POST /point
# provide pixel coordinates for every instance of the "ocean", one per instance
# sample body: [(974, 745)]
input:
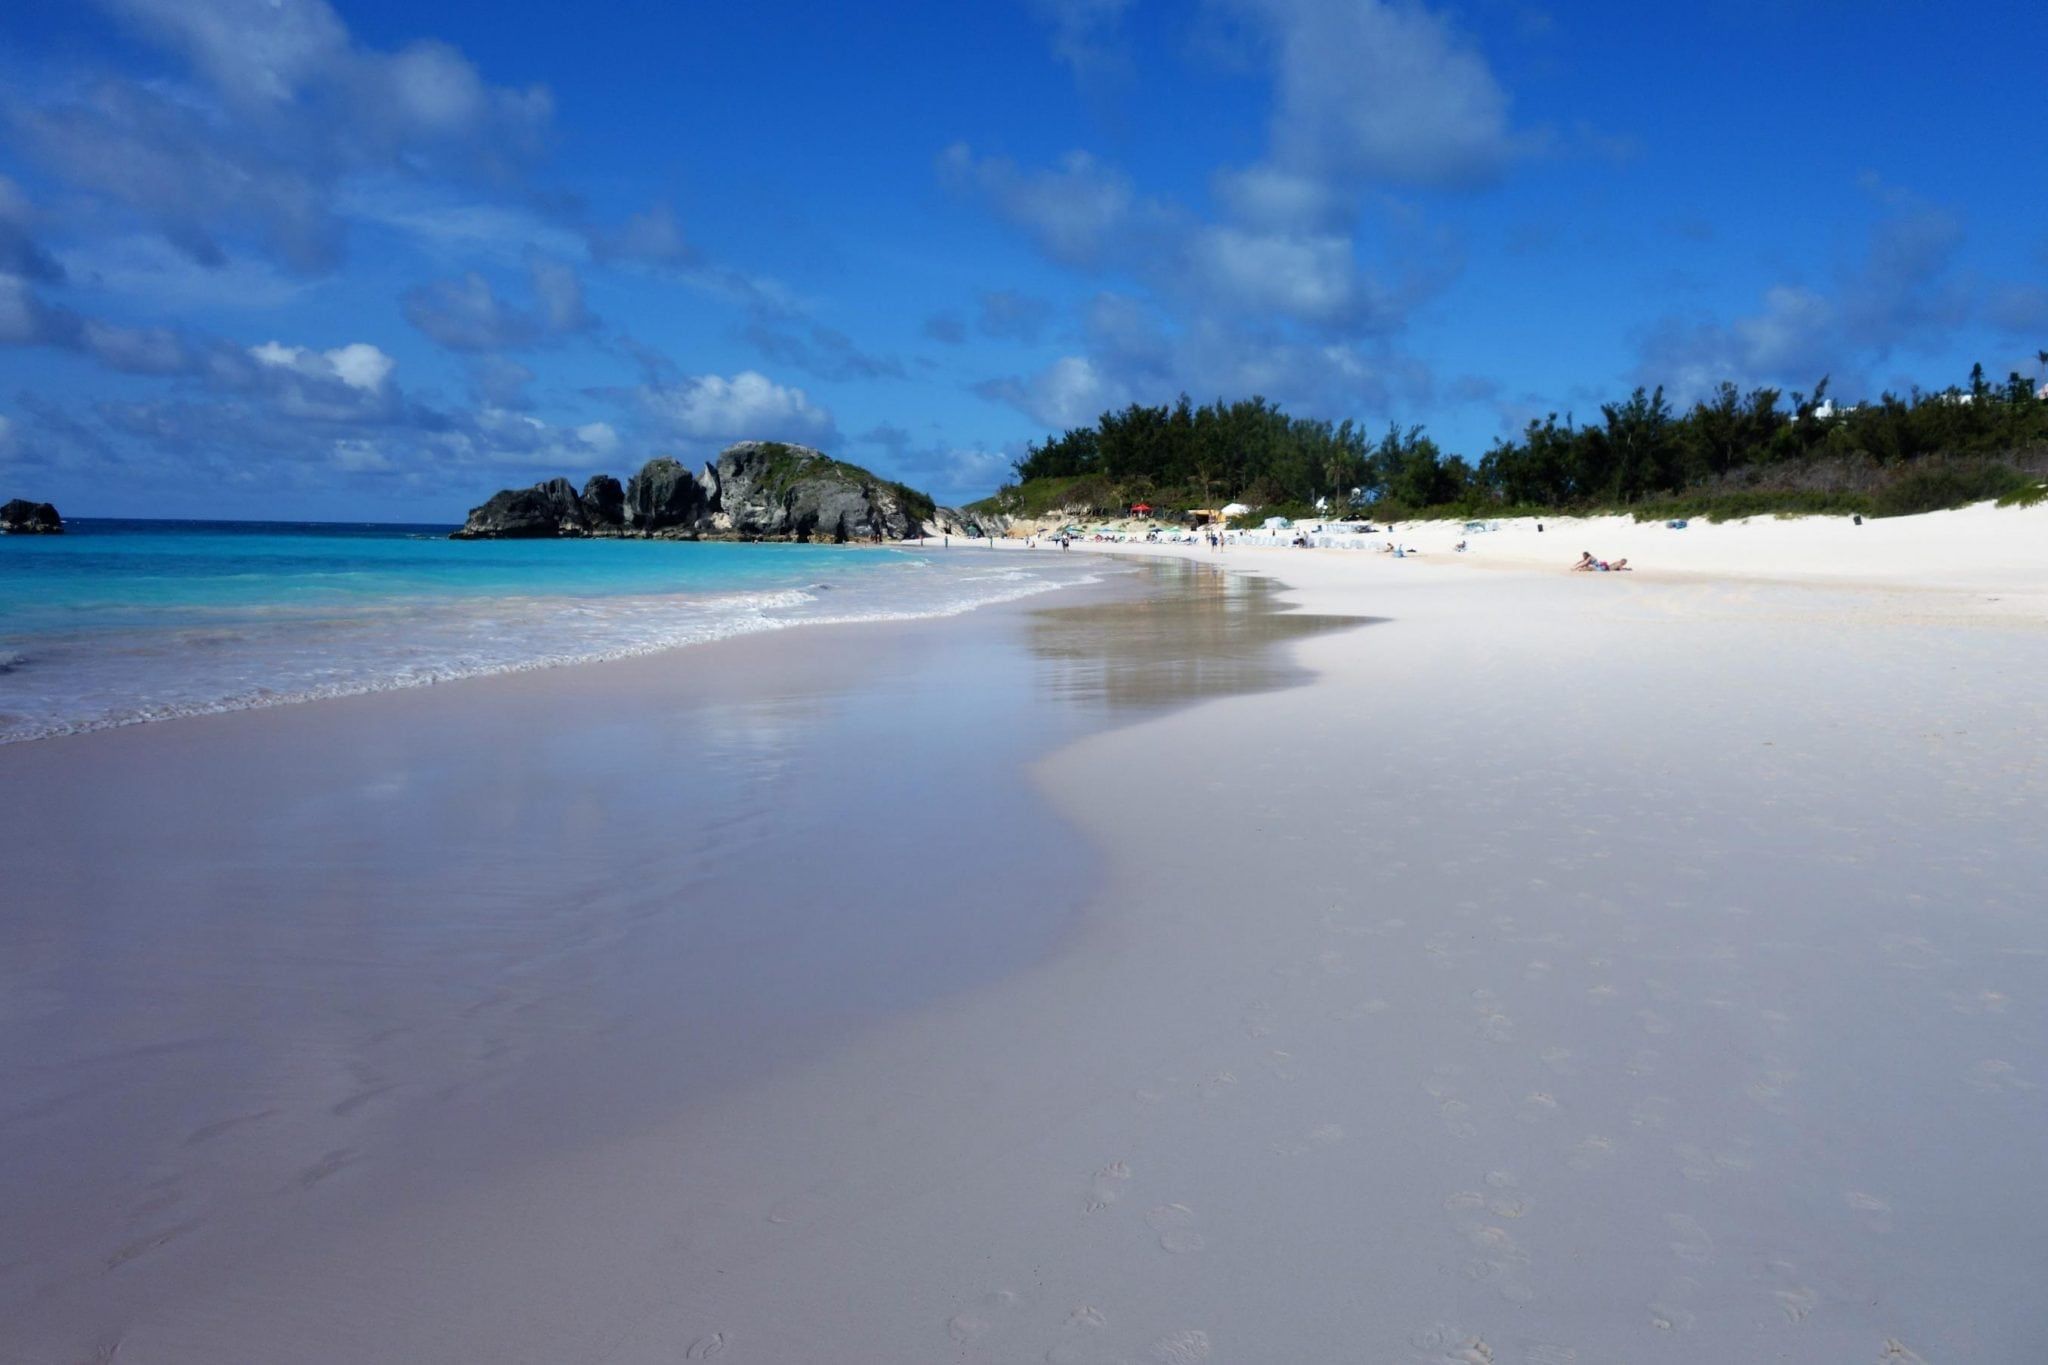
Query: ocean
[(122, 621)]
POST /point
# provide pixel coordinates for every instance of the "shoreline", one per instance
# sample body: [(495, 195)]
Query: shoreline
[(143, 713), (1564, 972), (578, 901)]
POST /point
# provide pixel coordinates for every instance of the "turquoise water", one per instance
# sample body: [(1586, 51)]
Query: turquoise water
[(123, 621)]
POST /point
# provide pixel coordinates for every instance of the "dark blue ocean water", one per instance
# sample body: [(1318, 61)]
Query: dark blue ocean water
[(119, 621)]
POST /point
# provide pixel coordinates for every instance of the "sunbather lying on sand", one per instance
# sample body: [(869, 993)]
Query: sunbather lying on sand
[(1588, 564)]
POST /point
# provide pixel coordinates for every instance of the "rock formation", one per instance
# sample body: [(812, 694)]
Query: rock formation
[(756, 490), (24, 518)]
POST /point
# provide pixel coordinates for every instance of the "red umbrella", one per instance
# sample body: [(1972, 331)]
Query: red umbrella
[(1141, 507)]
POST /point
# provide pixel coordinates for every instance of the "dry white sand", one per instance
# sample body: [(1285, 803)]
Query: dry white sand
[(1580, 969)]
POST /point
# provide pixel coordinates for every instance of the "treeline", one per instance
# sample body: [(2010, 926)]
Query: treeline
[(1734, 451)]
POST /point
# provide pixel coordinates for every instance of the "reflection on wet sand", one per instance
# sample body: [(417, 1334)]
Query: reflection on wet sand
[(1199, 633), (272, 969)]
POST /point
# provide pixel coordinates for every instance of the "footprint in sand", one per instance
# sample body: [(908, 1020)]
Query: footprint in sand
[(1649, 1112), (1455, 1122), (1771, 1085), (1322, 1135), (1896, 1352), (1795, 1303), (1443, 1344), (1363, 1010), (1180, 1348), (708, 1348), (974, 1324), (1084, 1315), (1689, 1241), (1878, 1213), (1589, 1152), (1993, 1074), (1175, 1224), (1216, 1085), (1106, 1186)]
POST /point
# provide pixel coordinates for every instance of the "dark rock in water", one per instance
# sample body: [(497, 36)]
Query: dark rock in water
[(604, 502), (664, 496), (545, 510), (24, 518), (756, 490)]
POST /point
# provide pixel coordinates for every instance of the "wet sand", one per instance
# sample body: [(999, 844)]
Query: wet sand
[(271, 972)]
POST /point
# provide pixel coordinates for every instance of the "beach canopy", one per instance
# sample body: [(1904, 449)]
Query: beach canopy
[(1141, 507)]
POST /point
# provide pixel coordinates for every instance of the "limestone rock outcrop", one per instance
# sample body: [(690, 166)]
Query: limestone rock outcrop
[(756, 490), (24, 518)]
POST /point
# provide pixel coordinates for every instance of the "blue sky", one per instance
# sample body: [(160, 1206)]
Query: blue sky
[(376, 260)]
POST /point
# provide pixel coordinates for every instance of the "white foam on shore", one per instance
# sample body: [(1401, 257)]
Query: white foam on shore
[(447, 642)]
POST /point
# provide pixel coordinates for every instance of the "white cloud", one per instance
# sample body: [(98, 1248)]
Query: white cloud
[(1275, 199), (466, 314), (1381, 92), (358, 365), (1084, 31), (1314, 278), (1081, 211), (651, 237), (747, 406), (1070, 392), (254, 51)]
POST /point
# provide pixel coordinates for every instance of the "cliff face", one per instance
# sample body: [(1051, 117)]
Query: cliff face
[(756, 490), (24, 518)]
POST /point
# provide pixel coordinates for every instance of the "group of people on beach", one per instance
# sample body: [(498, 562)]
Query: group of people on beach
[(1588, 564)]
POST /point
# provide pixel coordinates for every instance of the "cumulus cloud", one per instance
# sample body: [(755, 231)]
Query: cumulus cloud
[(1071, 391), (495, 382), (282, 106), (651, 237), (749, 405), (1084, 32), (1903, 292), (20, 254), (1311, 277), (1081, 212), (358, 365), (1137, 352), (1385, 93), (466, 314)]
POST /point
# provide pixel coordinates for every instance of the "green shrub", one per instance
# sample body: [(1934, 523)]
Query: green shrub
[(1930, 487)]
